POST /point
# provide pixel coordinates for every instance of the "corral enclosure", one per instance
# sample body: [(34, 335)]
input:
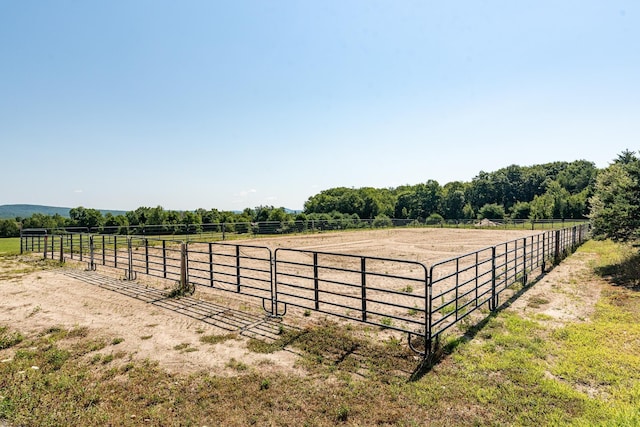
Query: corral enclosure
[(420, 281)]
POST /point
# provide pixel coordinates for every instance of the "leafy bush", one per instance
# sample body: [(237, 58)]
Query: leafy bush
[(382, 221)]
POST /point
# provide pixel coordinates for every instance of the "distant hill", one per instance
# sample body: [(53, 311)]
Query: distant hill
[(25, 211)]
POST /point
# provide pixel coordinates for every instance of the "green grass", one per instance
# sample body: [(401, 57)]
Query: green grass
[(517, 370), (9, 246)]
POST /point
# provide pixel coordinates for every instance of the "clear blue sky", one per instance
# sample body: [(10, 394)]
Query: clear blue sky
[(234, 104)]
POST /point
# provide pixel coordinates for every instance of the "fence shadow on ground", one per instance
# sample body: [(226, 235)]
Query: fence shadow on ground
[(223, 317), (441, 351), (327, 344)]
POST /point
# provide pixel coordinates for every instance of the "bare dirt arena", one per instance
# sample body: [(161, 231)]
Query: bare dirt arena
[(140, 322)]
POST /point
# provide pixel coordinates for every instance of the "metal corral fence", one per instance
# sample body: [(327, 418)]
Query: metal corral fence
[(402, 295)]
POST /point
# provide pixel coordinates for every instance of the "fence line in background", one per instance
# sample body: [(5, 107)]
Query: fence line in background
[(230, 231), (406, 296)]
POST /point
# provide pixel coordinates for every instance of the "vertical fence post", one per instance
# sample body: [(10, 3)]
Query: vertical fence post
[(92, 265), (146, 255), (80, 247), (130, 274), (184, 277), (211, 264), (524, 262), (428, 316), (45, 245), (316, 281), (164, 258), (457, 286), (115, 251), (476, 278), (274, 290), (363, 275), (61, 249), (71, 245), (493, 304), (238, 268), (556, 255)]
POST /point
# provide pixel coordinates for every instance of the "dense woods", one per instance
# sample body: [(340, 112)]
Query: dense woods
[(553, 190), (570, 190)]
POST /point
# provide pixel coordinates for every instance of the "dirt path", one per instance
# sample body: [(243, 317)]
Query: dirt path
[(567, 294)]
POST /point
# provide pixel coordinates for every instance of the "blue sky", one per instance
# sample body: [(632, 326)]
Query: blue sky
[(228, 105)]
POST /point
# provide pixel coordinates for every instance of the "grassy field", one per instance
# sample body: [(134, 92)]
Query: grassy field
[(10, 245), (516, 370)]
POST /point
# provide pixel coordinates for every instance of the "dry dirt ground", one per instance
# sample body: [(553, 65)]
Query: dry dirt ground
[(138, 319)]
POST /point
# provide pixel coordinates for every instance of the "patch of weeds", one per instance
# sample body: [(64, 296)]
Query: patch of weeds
[(407, 289), (96, 345), (78, 332), (537, 301), (265, 384), (216, 339), (107, 359), (182, 346), (342, 413), (386, 322), (307, 313), (516, 286), (448, 308), (236, 365), (284, 339), (55, 358), (9, 339), (117, 341)]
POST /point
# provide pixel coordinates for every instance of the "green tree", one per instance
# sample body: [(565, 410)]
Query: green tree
[(83, 217), (453, 200), (615, 205), (491, 211), (191, 222), (542, 207), (521, 210), (382, 221), (115, 224), (9, 228)]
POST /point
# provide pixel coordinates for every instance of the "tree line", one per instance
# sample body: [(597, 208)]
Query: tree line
[(552, 190), (570, 190)]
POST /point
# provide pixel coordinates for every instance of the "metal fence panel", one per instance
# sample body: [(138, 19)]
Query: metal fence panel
[(243, 269), (386, 292)]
